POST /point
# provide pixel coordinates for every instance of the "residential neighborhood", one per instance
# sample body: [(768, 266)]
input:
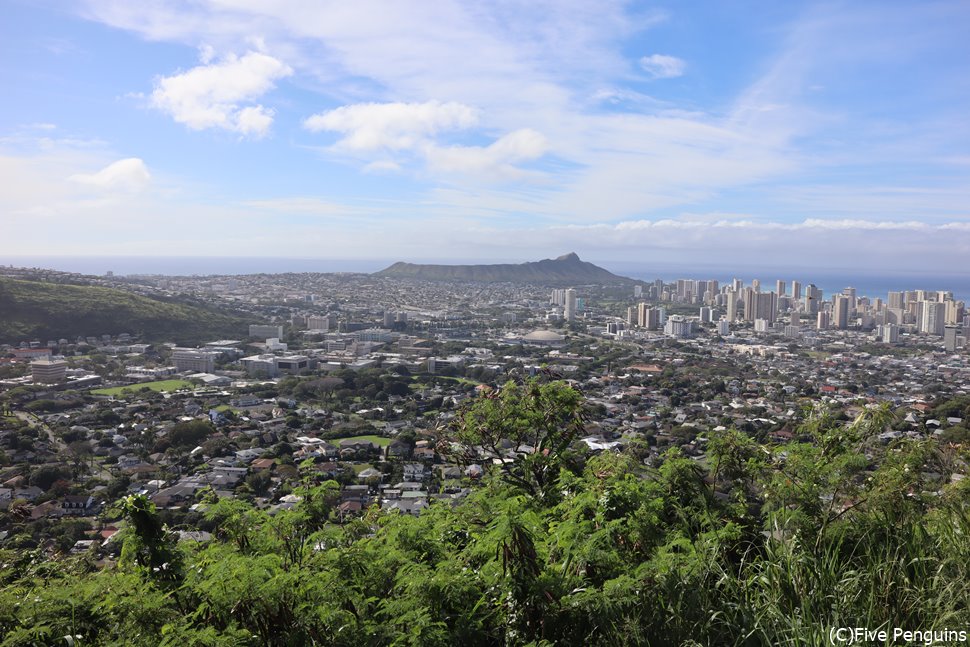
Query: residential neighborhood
[(358, 380)]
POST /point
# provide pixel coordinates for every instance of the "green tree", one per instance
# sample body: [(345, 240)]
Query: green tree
[(148, 544), (532, 424)]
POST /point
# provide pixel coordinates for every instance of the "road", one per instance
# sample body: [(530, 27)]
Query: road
[(59, 446), (56, 443)]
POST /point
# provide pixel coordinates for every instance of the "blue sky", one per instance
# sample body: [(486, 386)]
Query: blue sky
[(743, 133)]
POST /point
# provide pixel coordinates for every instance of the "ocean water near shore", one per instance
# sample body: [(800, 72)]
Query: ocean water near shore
[(866, 282)]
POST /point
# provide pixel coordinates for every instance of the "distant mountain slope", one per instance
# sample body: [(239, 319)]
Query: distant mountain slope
[(565, 269), (41, 310)]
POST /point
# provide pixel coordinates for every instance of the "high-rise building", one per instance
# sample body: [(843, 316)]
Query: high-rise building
[(840, 313), (649, 318), (732, 306), (736, 285), (780, 288), (707, 315), (850, 293), (685, 289), (823, 320), (932, 318), (569, 307), (708, 290), (631, 317), (896, 300), (723, 327), (796, 290), (760, 305), (954, 312), (950, 334), (813, 297), (756, 285)]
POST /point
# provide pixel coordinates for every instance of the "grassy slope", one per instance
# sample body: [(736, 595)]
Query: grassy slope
[(38, 310)]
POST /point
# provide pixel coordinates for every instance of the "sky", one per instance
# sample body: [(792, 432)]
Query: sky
[(740, 133)]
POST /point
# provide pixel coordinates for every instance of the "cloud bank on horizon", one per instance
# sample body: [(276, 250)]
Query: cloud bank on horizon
[(831, 133)]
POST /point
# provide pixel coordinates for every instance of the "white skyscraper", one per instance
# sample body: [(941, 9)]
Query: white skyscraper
[(822, 321), (569, 307), (933, 318), (732, 306)]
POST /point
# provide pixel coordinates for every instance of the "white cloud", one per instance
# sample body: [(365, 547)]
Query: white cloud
[(413, 128), (661, 66), (213, 95), (129, 174), (558, 67), (497, 158), (368, 127), (382, 166)]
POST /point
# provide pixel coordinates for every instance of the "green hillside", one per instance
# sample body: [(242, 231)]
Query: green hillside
[(41, 310)]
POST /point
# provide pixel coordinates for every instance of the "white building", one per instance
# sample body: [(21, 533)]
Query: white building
[(680, 327), (194, 360), (48, 370), (569, 307)]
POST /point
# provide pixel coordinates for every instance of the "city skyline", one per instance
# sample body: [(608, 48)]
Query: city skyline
[(834, 133)]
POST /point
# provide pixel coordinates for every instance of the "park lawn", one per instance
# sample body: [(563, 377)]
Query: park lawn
[(160, 386), (380, 441)]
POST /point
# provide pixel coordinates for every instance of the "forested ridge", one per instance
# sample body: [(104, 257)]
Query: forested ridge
[(46, 310), (753, 545)]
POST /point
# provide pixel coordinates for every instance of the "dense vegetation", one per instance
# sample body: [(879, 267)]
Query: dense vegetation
[(42, 310), (754, 545)]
